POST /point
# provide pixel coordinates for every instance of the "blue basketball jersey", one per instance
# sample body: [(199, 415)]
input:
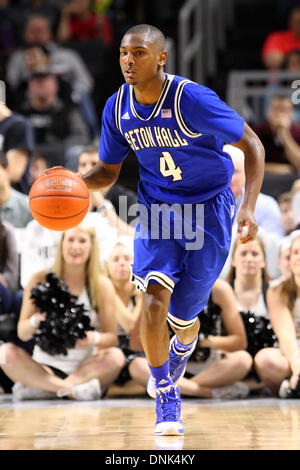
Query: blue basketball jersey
[(178, 140)]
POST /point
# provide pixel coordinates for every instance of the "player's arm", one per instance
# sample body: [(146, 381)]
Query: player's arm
[(102, 175), (207, 114), (254, 152), (113, 149)]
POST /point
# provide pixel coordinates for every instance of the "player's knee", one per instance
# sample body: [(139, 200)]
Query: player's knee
[(154, 311), (188, 332)]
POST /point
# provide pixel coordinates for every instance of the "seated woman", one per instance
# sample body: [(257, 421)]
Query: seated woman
[(133, 377), (88, 368), (249, 279), (9, 298), (275, 364)]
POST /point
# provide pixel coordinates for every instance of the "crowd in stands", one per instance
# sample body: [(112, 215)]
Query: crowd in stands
[(278, 44), (57, 61)]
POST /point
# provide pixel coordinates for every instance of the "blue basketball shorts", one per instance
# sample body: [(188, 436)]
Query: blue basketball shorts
[(183, 248)]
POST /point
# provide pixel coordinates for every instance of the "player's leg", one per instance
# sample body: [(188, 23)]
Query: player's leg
[(187, 335), (202, 266), (182, 346), (155, 340), (156, 270), (189, 297), (154, 330)]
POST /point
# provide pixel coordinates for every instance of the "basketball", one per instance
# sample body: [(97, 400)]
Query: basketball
[(59, 199)]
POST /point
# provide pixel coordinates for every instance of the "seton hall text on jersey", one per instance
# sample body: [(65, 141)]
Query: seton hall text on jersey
[(145, 137)]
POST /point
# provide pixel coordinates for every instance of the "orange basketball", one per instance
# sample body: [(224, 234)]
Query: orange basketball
[(59, 199)]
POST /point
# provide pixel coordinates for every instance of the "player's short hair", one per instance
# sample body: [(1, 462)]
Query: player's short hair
[(155, 34), (3, 159)]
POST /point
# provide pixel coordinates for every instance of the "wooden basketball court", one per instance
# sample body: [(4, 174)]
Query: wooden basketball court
[(127, 424)]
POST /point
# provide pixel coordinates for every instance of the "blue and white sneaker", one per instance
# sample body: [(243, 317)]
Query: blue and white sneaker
[(168, 412), (178, 362)]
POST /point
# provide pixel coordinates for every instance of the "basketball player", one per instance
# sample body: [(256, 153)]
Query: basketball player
[(177, 129)]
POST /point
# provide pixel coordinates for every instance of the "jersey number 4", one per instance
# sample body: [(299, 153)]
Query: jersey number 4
[(168, 168)]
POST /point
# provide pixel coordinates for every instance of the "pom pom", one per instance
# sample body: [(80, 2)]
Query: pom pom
[(200, 354), (209, 319), (65, 322), (260, 333), (208, 322)]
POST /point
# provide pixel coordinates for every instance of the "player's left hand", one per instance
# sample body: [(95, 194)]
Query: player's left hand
[(247, 225)]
